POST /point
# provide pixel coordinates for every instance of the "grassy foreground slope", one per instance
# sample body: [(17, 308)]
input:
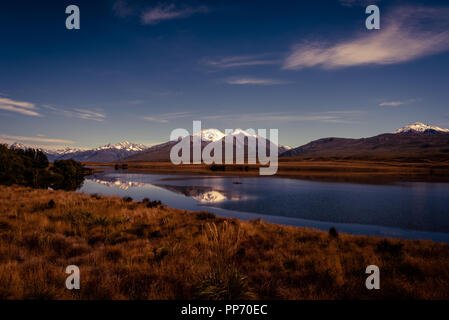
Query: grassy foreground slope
[(130, 250)]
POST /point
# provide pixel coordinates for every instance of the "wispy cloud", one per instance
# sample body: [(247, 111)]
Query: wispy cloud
[(168, 12), (89, 115), (11, 139), (395, 103), (166, 117), (255, 81), (78, 113), (411, 33), (391, 103), (293, 117), (329, 117), (22, 107), (242, 61)]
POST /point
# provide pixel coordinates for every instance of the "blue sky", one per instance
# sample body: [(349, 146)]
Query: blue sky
[(136, 70)]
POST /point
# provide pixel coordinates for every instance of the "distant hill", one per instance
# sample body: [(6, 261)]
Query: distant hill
[(413, 140)]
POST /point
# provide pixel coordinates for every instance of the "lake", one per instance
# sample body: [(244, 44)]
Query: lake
[(412, 210)]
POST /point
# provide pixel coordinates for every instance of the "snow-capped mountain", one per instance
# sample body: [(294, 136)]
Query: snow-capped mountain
[(416, 140), (47, 151), (107, 153), (125, 145), (215, 135), (61, 152), (241, 138), (18, 145), (419, 127), (161, 152), (210, 135), (239, 134)]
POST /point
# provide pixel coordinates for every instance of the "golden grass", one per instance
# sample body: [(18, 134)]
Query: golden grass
[(126, 250)]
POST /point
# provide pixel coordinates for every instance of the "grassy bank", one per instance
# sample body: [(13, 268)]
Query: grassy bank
[(130, 250)]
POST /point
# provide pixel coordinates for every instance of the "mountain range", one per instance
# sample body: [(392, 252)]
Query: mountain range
[(205, 137), (106, 153), (417, 139)]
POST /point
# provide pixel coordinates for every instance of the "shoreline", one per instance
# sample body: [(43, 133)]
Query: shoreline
[(355, 229), (346, 227), (356, 171)]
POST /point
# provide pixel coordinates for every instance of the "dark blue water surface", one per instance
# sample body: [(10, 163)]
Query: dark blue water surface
[(408, 210)]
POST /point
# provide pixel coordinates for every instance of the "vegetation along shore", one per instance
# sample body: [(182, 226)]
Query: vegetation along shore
[(145, 250)]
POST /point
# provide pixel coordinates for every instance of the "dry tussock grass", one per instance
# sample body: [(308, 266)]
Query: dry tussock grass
[(127, 250)]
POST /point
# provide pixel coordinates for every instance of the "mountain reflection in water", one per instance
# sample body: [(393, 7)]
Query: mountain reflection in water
[(203, 194), (415, 210), (124, 185)]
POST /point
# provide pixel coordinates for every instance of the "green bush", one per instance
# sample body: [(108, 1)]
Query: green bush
[(29, 167), (72, 174)]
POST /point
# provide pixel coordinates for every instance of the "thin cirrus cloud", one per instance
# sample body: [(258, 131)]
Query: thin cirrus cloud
[(327, 117), (165, 12), (166, 117), (22, 107), (9, 139), (78, 113), (396, 103), (411, 33), (242, 61), (254, 81), (89, 115)]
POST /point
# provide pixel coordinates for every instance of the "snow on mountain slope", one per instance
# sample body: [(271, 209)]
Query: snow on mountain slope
[(210, 135), (139, 152), (214, 135), (419, 127), (240, 142), (414, 141), (125, 145), (18, 145), (106, 153), (240, 132)]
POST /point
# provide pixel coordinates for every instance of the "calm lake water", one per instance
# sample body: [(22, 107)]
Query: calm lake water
[(417, 210)]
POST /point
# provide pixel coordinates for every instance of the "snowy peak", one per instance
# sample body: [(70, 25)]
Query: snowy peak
[(63, 151), (211, 135), (125, 146), (240, 132), (214, 135), (419, 127), (18, 145), (106, 153)]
